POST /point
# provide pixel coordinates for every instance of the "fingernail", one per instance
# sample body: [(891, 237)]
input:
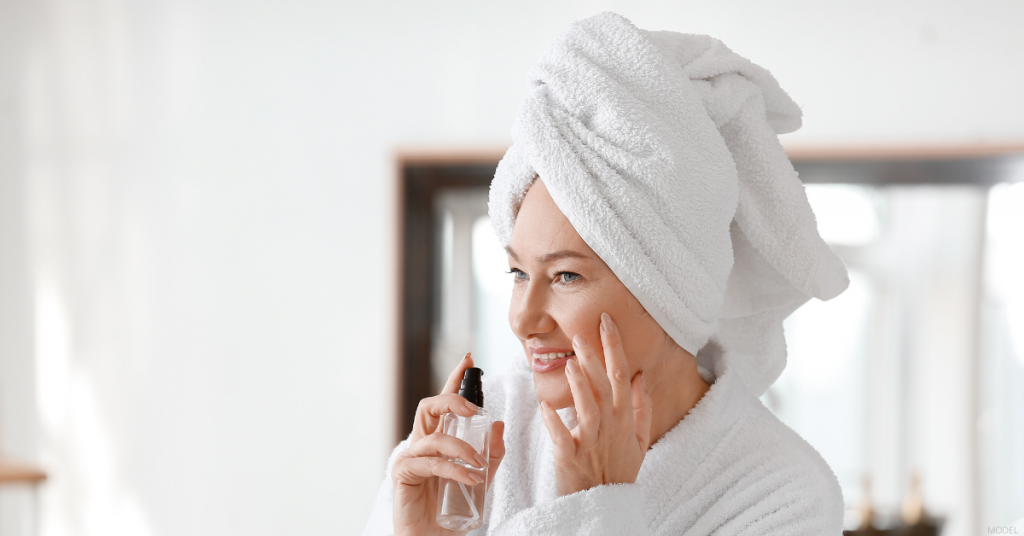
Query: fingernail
[(606, 323), (579, 341), (643, 380), (472, 407), (465, 357), (572, 367), (476, 478), (545, 404), (480, 460)]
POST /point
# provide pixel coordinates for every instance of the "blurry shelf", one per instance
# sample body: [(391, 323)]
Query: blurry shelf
[(13, 472)]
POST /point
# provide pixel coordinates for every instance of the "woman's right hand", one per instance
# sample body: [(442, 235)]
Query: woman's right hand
[(416, 470)]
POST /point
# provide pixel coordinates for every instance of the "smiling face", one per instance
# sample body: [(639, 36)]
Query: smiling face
[(561, 289)]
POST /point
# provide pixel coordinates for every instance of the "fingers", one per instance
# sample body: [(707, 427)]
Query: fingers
[(590, 362), (446, 446), (455, 378), (615, 363), (588, 413), (414, 470), (565, 446), (430, 410), (643, 409), (436, 406), (497, 450)]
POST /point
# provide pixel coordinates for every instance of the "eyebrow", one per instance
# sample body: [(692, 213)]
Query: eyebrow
[(549, 257)]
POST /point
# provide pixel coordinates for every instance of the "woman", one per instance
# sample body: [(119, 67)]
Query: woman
[(658, 236)]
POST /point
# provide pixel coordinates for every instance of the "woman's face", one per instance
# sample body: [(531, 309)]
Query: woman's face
[(561, 287)]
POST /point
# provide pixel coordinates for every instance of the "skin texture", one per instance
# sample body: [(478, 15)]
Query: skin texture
[(635, 382)]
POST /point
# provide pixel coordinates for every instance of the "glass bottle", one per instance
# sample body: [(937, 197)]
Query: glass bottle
[(461, 506)]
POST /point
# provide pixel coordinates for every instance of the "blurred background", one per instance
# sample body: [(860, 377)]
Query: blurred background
[(238, 239)]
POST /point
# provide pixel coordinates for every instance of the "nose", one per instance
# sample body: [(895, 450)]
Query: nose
[(528, 314)]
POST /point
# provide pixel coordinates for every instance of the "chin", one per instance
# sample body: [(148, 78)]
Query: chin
[(553, 388)]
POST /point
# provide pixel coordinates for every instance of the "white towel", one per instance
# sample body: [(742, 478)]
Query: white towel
[(729, 467), (661, 149)]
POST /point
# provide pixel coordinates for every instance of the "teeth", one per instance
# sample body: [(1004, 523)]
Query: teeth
[(545, 358)]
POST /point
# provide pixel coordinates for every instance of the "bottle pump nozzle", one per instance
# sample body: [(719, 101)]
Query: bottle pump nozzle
[(472, 388)]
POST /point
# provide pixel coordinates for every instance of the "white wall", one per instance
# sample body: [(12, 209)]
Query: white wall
[(197, 207)]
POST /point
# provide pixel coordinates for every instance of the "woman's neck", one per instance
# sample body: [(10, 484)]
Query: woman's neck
[(675, 388)]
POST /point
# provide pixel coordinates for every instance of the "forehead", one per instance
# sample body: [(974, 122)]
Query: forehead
[(541, 227)]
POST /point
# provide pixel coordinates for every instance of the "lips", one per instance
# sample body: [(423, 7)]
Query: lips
[(548, 359)]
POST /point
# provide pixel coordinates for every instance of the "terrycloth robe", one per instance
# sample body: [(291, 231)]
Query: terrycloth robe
[(729, 467)]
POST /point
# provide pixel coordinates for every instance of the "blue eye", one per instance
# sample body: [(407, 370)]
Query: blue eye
[(568, 277), (520, 275)]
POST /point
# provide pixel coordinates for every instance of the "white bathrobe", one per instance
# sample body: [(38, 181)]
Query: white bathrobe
[(661, 149), (729, 467)]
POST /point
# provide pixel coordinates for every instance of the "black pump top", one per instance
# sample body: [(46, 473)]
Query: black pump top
[(472, 388)]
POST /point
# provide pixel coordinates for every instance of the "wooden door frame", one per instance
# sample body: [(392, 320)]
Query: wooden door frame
[(422, 176)]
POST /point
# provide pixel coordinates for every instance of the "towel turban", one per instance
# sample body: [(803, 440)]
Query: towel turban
[(661, 149)]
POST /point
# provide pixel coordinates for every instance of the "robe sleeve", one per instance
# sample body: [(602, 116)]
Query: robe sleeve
[(811, 512), (381, 516), (791, 522), (612, 509)]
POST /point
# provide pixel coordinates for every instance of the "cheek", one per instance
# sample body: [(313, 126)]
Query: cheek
[(579, 313), (642, 339)]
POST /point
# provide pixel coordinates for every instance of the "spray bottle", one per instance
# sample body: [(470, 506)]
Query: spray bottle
[(460, 506)]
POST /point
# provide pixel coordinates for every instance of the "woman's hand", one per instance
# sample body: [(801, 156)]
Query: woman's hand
[(614, 416), (414, 474)]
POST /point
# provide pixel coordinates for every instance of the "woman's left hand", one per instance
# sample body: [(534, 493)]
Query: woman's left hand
[(613, 412)]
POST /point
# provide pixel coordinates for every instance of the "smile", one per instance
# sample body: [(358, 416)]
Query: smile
[(549, 359), (551, 356)]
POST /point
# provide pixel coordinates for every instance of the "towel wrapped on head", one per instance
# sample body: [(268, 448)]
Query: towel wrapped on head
[(661, 149)]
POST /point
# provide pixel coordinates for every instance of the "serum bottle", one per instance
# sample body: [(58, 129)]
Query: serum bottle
[(460, 506)]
